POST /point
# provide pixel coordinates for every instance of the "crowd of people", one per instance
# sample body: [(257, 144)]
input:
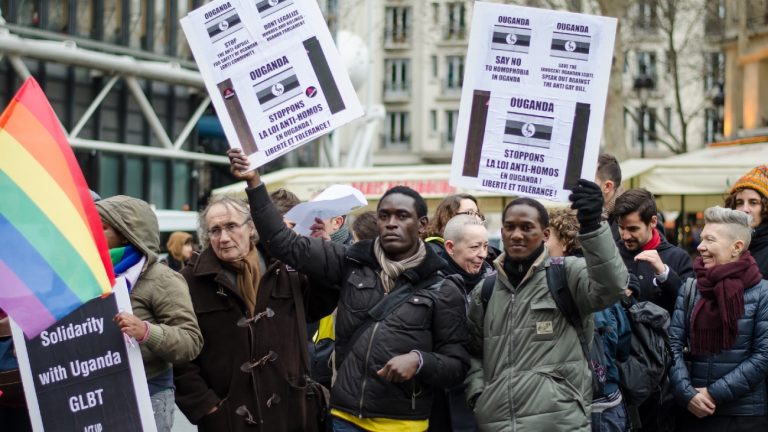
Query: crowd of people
[(392, 320)]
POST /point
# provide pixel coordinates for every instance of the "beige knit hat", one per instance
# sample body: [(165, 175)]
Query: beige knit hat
[(756, 179)]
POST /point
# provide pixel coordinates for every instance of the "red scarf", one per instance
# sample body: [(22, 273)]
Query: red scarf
[(654, 242), (715, 317)]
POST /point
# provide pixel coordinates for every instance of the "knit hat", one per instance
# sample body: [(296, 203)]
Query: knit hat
[(756, 179)]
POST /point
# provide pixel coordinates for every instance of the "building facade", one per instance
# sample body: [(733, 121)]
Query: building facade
[(418, 54)]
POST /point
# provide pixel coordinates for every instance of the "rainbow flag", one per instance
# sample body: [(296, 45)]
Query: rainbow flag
[(53, 255)]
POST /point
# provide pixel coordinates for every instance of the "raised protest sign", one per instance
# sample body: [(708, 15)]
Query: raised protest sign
[(273, 72), (80, 374), (533, 100)]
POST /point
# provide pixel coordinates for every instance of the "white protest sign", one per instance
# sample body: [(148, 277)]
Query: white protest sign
[(80, 374), (533, 100), (336, 200), (273, 73)]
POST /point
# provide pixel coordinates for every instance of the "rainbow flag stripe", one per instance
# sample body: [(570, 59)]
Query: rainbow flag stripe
[(53, 257)]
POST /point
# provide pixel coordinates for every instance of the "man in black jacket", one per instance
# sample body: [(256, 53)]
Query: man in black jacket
[(401, 324), (660, 267)]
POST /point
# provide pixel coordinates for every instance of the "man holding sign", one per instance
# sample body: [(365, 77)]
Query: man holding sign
[(401, 324)]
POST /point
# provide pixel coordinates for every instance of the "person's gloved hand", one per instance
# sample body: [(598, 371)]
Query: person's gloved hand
[(588, 202)]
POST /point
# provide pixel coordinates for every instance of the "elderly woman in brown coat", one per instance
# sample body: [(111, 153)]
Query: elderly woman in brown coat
[(252, 374)]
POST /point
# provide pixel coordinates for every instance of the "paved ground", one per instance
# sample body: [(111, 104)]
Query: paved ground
[(180, 423)]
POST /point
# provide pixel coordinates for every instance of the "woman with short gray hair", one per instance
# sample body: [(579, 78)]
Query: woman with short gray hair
[(719, 332)]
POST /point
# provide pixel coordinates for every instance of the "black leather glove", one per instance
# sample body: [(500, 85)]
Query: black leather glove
[(588, 202)]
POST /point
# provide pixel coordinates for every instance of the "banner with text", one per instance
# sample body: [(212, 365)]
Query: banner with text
[(533, 100), (80, 374), (273, 72)]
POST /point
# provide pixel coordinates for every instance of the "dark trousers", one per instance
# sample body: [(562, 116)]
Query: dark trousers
[(687, 422)]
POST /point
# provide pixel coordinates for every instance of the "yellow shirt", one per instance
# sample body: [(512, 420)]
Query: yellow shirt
[(380, 424)]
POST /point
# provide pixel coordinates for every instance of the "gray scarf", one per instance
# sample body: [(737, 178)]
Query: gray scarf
[(391, 270), (342, 234)]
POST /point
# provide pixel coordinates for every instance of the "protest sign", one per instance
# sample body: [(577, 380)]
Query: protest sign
[(80, 374), (533, 100), (273, 72)]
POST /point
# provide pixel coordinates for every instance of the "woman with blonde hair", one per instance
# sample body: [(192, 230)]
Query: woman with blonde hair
[(179, 247)]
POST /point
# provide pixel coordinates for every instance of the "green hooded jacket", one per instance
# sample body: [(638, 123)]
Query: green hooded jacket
[(160, 295), (527, 370)]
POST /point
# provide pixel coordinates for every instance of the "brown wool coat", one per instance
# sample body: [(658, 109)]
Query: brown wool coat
[(274, 393)]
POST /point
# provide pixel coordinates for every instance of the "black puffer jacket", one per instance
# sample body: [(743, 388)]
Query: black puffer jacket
[(680, 269), (432, 320)]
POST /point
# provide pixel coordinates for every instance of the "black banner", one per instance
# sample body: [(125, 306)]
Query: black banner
[(81, 373)]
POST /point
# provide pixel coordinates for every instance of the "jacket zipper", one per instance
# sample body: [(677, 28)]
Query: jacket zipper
[(365, 369)]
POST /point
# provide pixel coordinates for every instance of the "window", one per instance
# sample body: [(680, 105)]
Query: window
[(451, 119), (182, 179), (647, 15), (668, 117), (433, 59), (714, 23), (433, 120), (397, 76), (455, 72), (456, 26), (109, 170), (398, 25), (646, 62), (714, 72), (397, 130), (710, 124), (158, 183), (647, 133), (133, 177)]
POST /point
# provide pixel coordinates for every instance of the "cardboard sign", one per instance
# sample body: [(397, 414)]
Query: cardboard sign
[(533, 100), (273, 72), (81, 374)]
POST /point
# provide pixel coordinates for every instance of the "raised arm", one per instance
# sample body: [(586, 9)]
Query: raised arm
[(312, 256)]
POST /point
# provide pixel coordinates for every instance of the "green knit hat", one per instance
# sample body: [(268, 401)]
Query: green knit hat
[(756, 179)]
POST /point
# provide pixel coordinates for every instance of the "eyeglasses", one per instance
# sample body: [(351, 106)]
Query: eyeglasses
[(473, 213), (230, 228)]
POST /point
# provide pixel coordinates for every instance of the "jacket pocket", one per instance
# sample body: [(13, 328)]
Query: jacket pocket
[(359, 296), (219, 420), (542, 319), (415, 312)]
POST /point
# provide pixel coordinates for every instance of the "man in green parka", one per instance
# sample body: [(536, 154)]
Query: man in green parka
[(528, 371)]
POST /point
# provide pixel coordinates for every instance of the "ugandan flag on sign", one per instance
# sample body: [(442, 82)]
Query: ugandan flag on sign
[(268, 7), (277, 89), (509, 38), (570, 46), (529, 130), (223, 26)]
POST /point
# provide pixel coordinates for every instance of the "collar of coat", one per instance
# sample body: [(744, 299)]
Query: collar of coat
[(207, 263), (626, 253), (362, 253), (539, 263)]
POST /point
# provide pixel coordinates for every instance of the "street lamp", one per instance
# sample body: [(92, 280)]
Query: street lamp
[(643, 85), (718, 100)]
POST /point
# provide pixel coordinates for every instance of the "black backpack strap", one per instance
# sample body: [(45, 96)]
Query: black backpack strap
[(558, 288), (487, 290)]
